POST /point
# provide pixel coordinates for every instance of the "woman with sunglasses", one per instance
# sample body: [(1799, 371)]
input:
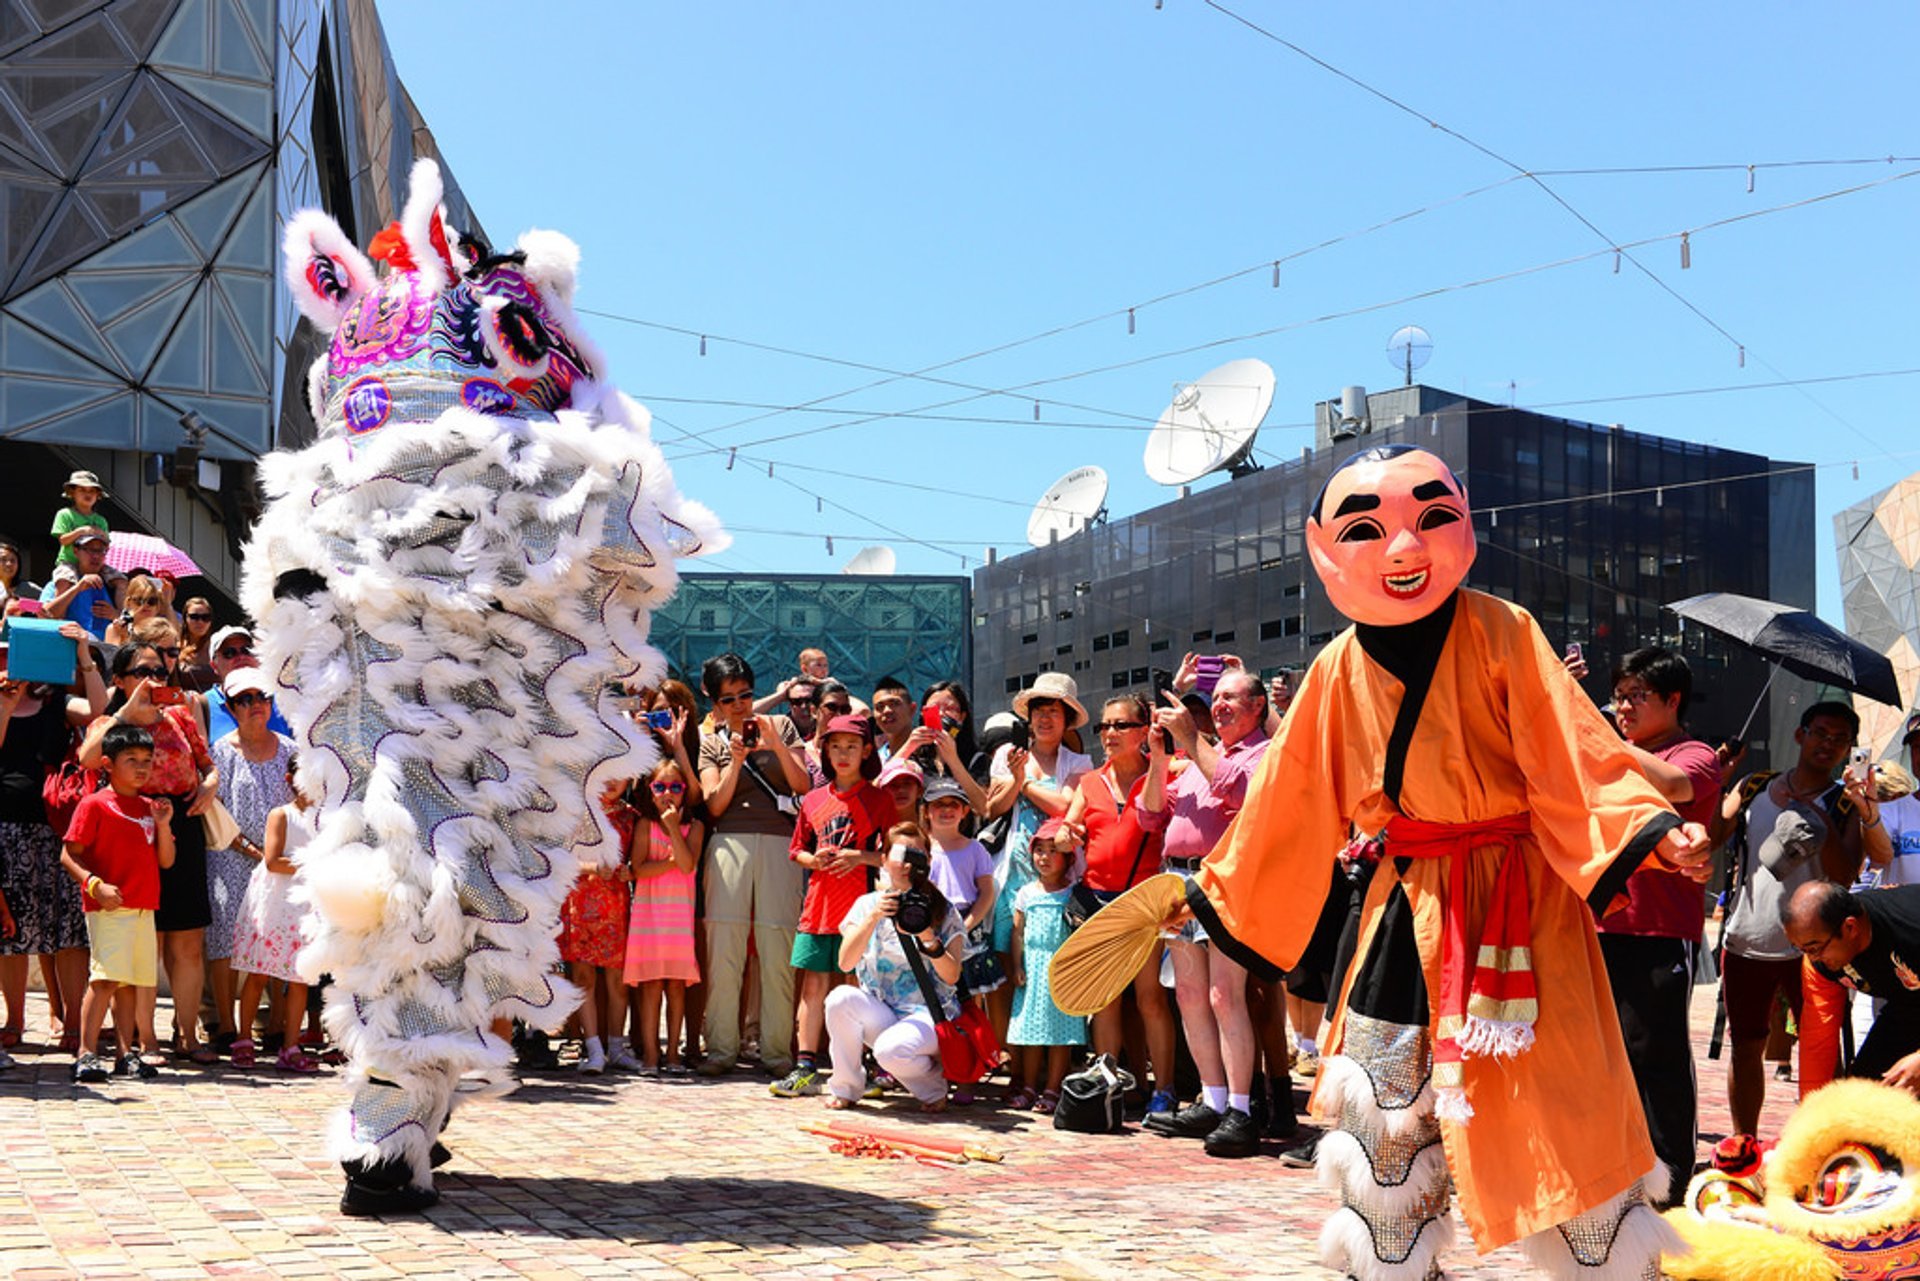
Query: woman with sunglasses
[(252, 763), (1105, 816), (661, 962), (36, 732), (184, 773), (196, 649)]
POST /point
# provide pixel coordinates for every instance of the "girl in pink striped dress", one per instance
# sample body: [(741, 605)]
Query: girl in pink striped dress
[(660, 957)]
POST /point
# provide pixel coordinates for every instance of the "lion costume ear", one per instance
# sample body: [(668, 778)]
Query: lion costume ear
[(326, 273), (552, 262), (423, 225)]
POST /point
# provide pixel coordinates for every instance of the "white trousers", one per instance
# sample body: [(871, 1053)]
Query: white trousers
[(907, 1047)]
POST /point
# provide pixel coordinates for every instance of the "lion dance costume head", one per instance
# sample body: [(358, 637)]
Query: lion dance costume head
[(444, 583), (1838, 1196)]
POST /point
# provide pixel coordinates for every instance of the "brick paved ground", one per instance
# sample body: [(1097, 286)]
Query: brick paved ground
[(206, 1173)]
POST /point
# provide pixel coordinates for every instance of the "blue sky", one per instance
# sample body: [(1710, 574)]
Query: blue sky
[(903, 185)]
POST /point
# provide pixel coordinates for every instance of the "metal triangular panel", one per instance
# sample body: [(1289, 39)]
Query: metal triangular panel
[(187, 43), (54, 310), (183, 365), (71, 233), (139, 334), (234, 52), (140, 22), (27, 198), (234, 370), (251, 298), (112, 423), (252, 242), (159, 244), (241, 427), (250, 106), (142, 146), (17, 26), (207, 217)]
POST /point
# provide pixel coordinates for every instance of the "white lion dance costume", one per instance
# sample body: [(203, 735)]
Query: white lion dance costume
[(444, 583)]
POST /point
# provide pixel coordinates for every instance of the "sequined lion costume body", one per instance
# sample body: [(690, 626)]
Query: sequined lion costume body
[(444, 583), (1837, 1197)]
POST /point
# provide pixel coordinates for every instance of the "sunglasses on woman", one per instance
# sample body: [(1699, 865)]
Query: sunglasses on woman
[(199, 618), (1121, 725), (668, 789), (250, 698), (147, 673)]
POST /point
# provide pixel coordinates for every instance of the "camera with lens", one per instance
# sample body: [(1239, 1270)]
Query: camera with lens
[(915, 912)]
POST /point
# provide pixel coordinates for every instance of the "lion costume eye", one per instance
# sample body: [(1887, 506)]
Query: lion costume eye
[(1853, 1178), (517, 338)]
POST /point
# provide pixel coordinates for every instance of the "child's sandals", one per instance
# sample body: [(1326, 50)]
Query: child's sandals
[(295, 1059), (1021, 1099), (1047, 1102), (242, 1052)]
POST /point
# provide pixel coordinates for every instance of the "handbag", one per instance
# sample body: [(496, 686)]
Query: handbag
[(968, 1048), (65, 787), (222, 828), (1093, 1100)]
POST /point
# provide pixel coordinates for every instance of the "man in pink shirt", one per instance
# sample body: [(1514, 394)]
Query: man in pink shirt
[(1649, 943), (1194, 809)]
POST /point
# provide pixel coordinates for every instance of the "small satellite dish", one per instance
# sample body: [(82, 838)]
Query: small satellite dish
[(1075, 501), (1210, 424), (878, 561), (1408, 349)]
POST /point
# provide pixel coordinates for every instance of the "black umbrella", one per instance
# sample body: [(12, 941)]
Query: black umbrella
[(1793, 638)]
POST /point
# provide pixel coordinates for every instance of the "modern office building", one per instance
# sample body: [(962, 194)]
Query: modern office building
[(1878, 540), (150, 151), (1591, 528), (909, 626)]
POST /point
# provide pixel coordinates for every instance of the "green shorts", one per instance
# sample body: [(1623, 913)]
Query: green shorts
[(817, 952)]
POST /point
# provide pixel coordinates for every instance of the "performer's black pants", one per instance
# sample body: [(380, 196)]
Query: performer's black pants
[(1895, 1034), (1652, 981)]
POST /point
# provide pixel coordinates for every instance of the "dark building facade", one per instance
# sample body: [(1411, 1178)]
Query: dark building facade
[(150, 152), (910, 626), (1590, 528)]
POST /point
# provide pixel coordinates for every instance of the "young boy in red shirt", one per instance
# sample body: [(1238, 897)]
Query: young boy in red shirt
[(115, 847), (837, 838)]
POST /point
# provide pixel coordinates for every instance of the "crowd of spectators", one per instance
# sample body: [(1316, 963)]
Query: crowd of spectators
[(816, 875)]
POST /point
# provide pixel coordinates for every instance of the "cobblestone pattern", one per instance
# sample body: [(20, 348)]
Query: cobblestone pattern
[(221, 1173)]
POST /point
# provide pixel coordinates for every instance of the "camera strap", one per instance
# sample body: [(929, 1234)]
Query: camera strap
[(746, 764), (917, 961)]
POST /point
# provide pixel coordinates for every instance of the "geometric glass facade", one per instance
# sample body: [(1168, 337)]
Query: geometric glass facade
[(911, 626), (1879, 545), (150, 152), (1590, 528)]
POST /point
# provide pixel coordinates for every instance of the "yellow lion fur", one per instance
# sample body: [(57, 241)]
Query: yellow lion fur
[(1784, 1245)]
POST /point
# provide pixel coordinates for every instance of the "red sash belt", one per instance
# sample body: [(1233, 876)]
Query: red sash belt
[(1488, 1002)]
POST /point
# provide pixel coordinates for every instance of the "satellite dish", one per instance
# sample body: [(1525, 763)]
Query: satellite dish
[(1075, 501), (1408, 349), (871, 560), (1210, 424)]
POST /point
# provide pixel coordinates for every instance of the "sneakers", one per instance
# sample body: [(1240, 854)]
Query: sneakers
[(1162, 1101), (89, 1069), (593, 1059), (1302, 1156), (1235, 1136), (803, 1081), (1194, 1121), (131, 1064), (622, 1060)]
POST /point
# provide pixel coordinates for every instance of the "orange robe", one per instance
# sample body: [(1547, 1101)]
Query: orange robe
[(1503, 730)]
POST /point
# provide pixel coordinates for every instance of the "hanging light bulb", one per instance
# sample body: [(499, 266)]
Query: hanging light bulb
[(1616, 262), (819, 505), (1276, 273), (1129, 320), (1493, 518), (769, 471), (1749, 179), (1659, 497), (1686, 252), (731, 455), (1856, 471), (829, 544), (1743, 356), (1036, 411), (703, 344)]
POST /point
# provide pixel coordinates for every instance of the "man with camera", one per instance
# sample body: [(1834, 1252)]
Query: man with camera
[(751, 770)]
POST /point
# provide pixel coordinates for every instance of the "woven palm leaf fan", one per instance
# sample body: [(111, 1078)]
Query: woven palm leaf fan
[(1094, 966)]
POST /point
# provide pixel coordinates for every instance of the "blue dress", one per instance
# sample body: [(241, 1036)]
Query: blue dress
[(1036, 1019)]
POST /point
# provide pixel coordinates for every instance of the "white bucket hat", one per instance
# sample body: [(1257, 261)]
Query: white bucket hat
[(1055, 685)]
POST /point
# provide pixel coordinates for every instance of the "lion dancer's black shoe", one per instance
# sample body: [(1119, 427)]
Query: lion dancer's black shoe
[(383, 1187)]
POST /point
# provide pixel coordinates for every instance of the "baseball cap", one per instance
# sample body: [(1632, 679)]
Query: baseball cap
[(901, 767), (226, 634), (92, 535), (1049, 829), (242, 679), (942, 788), (850, 724)]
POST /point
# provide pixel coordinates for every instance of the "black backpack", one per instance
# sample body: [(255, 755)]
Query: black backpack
[(1093, 1100)]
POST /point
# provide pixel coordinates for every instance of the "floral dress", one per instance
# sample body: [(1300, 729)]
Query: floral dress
[(250, 790), (593, 921), (267, 937)]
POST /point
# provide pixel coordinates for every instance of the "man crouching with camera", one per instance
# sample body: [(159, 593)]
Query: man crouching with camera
[(888, 1009)]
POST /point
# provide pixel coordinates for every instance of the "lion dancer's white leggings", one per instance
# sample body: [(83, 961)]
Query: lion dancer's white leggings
[(907, 1047)]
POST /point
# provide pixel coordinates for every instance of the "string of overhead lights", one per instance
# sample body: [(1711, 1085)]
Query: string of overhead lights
[(1538, 180)]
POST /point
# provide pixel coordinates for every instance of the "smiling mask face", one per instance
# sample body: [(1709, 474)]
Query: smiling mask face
[(1391, 539)]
